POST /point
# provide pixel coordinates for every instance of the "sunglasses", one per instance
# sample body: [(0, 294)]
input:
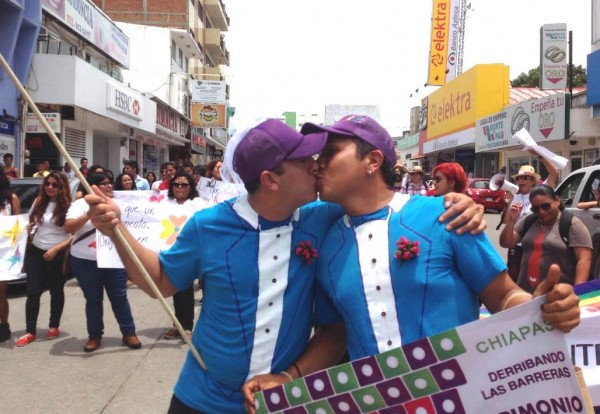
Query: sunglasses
[(522, 178), (543, 206), (437, 179), (181, 185), (52, 184)]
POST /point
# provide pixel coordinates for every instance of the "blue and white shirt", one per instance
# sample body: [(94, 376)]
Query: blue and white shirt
[(257, 312), (385, 302)]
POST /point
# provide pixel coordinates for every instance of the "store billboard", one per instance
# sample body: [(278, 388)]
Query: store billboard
[(209, 92), (544, 118), (208, 115), (553, 56), (481, 90), (84, 18), (443, 50)]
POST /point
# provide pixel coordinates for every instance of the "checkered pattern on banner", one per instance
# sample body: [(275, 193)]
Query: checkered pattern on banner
[(420, 377)]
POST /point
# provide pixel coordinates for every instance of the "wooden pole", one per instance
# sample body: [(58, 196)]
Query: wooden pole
[(88, 188)]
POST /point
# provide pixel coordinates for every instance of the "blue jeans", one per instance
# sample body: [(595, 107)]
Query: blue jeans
[(93, 281)]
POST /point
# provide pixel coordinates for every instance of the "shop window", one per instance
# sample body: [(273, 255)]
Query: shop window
[(50, 43)]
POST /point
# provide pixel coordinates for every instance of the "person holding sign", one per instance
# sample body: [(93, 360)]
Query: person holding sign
[(256, 255), (182, 191), (393, 274), (9, 205), (93, 280)]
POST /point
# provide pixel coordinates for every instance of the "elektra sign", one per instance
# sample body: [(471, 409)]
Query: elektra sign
[(123, 101)]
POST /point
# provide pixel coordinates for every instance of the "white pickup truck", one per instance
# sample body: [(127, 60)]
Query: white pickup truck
[(584, 185)]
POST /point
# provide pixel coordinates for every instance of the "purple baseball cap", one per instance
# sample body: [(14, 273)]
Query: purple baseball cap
[(269, 143), (359, 126)]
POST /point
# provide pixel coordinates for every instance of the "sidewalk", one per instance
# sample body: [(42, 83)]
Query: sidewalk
[(58, 377)]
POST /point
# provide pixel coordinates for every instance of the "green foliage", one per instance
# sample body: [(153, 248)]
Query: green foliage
[(532, 78)]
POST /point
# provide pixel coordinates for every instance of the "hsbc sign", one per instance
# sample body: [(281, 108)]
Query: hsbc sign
[(123, 101)]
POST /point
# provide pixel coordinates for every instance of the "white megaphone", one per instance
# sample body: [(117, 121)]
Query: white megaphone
[(497, 182)]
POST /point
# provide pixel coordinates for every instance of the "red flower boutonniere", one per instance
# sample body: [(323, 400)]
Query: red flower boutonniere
[(406, 249), (306, 252)]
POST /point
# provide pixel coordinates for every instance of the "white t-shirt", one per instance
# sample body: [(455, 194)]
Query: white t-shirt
[(49, 234), (82, 248)]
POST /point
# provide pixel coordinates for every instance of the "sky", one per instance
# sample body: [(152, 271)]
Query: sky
[(302, 55)]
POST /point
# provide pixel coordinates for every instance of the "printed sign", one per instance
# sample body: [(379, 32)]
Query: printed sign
[(212, 92), (83, 18), (123, 101), (208, 115), (13, 239), (511, 362), (553, 56), (34, 126), (544, 118), (438, 52)]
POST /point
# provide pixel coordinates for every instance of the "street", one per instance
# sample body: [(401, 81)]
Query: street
[(57, 376)]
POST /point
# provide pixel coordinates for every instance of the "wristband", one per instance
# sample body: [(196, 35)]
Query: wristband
[(287, 375), (513, 295)]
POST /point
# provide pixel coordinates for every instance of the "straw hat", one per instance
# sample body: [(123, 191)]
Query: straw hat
[(417, 169), (527, 170)]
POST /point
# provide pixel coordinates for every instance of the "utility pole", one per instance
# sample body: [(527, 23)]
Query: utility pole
[(461, 35)]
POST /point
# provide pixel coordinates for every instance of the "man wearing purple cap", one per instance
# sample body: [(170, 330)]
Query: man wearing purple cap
[(391, 271), (257, 263)]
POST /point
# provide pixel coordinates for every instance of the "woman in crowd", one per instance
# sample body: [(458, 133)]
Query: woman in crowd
[(542, 243), (45, 255), (449, 177), (9, 169), (526, 178), (94, 280), (9, 205), (125, 182), (151, 177), (182, 191), (213, 169)]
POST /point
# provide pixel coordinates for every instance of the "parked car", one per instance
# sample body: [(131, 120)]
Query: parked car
[(577, 187), (479, 190), (27, 189)]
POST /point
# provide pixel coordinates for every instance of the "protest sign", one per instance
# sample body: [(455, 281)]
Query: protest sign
[(583, 341), (215, 192), (508, 363), (13, 239), (151, 218)]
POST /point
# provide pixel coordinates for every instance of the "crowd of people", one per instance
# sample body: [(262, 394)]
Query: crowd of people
[(300, 265), (59, 230)]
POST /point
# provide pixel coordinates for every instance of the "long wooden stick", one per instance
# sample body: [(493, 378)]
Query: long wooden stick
[(88, 188)]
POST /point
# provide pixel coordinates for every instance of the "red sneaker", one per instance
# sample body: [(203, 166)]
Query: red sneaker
[(52, 333), (25, 339)]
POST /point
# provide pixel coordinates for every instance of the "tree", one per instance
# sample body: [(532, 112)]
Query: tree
[(532, 78)]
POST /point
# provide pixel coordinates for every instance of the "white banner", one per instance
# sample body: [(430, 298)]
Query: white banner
[(208, 92), (156, 222), (509, 363), (13, 239), (544, 118)]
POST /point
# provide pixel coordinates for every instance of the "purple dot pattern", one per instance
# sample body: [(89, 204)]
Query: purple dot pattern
[(419, 378)]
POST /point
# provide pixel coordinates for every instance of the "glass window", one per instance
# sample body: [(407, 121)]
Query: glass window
[(180, 60), (173, 50), (568, 189)]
